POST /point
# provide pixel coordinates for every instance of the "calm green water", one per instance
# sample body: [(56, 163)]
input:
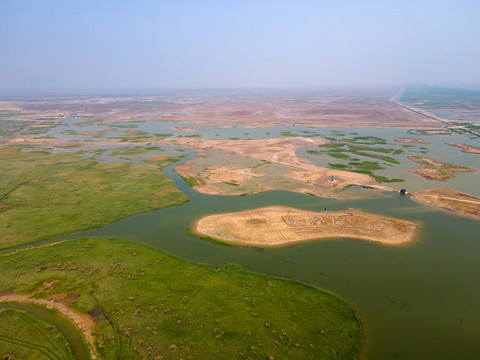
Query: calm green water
[(420, 301), (63, 325)]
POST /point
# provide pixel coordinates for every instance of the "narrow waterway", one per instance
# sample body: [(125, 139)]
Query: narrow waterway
[(64, 326)]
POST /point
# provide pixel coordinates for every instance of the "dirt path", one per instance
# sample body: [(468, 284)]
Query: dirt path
[(83, 322)]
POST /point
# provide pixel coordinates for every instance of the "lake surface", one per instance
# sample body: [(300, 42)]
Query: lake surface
[(420, 301)]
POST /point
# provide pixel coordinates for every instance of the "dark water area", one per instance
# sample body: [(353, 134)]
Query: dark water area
[(420, 301), (64, 326)]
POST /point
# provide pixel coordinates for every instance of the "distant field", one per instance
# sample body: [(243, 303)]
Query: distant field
[(45, 195), (151, 305), (454, 104), (317, 108)]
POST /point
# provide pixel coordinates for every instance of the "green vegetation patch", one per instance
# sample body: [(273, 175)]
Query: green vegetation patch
[(10, 127), (305, 133), (131, 151), (135, 136), (364, 167), (147, 304), (23, 336), (44, 195), (360, 146), (371, 140)]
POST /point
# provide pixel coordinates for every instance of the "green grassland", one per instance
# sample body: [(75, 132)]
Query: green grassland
[(23, 336), (10, 127), (151, 305), (44, 195)]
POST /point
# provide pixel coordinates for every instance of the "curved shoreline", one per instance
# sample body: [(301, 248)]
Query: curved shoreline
[(83, 322)]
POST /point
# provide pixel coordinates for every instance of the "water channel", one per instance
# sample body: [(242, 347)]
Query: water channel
[(64, 326)]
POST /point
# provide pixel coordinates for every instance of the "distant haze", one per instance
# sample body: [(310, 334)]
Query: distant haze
[(95, 45)]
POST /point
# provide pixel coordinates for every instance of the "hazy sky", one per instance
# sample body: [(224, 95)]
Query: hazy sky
[(125, 44)]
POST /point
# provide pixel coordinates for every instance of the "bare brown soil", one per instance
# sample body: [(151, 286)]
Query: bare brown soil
[(469, 149), (315, 108), (84, 322), (411, 141), (449, 199), (435, 170), (278, 225)]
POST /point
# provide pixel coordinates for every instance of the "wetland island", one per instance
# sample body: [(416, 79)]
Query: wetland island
[(226, 225)]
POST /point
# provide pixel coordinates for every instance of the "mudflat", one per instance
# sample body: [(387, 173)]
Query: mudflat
[(279, 225)]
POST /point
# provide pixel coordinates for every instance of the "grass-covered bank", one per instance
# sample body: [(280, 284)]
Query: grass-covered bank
[(23, 336), (44, 195), (148, 304)]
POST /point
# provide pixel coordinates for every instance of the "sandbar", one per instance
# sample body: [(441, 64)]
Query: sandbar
[(411, 141), (451, 200), (468, 149), (279, 225)]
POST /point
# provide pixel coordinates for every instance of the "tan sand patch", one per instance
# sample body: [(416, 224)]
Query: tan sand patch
[(240, 176), (278, 225)]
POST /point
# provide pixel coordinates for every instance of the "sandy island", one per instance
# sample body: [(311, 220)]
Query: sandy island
[(449, 199), (411, 141), (432, 169), (468, 149), (279, 225)]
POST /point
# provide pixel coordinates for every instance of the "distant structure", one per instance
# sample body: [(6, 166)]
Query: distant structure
[(403, 192)]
